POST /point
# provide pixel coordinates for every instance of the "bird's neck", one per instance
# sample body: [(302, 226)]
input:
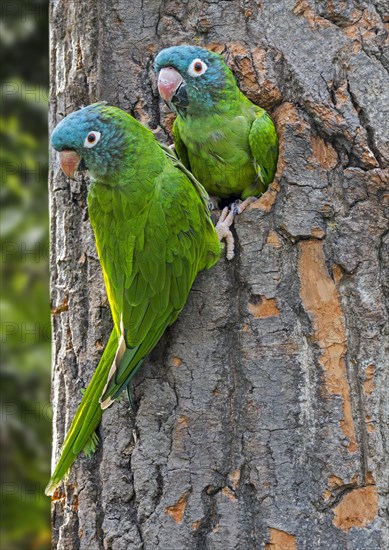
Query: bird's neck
[(216, 99), (134, 169), (225, 104)]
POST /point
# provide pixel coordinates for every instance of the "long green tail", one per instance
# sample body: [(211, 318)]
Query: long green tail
[(81, 434)]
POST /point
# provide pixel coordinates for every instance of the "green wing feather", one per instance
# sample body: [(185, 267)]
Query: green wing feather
[(264, 148), (180, 146), (166, 259), (198, 186)]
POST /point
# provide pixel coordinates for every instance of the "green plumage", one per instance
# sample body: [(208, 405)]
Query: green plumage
[(153, 235), (228, 143), (233, 151)]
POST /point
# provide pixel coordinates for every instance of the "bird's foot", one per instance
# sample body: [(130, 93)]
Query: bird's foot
[(223, 231), (213, 203), (227, 219), (238, 206)]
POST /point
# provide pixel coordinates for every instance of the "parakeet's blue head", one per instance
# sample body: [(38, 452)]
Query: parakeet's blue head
[(93, 138), (192, 79)]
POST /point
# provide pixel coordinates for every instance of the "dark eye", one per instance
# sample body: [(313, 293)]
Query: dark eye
[(197, 68), (92, 139)]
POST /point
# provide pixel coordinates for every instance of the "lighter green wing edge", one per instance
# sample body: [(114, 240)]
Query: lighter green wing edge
[(180, 146), (263, 142), (198, 186)]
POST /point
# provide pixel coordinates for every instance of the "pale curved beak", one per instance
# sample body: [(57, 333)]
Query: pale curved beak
[(169, 81), (69, 161)]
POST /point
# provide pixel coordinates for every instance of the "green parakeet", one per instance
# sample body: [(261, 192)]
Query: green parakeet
[(227, 142), (153, 235)]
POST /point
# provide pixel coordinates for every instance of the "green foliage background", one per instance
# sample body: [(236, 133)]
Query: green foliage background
[(24, 304)]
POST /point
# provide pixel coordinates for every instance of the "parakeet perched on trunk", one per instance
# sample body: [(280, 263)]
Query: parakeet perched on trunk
[(153, 235), (227, 142)]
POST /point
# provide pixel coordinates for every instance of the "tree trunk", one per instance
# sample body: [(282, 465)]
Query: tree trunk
[(262, 413)]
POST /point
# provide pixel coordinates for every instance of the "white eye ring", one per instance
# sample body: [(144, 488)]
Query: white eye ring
[(92, 139), (197, 67)]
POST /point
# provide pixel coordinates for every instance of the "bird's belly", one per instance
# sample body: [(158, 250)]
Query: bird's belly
[(222, 174), (219, 155)]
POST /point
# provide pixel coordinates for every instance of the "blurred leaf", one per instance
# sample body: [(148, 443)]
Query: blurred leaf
[(24, 305)]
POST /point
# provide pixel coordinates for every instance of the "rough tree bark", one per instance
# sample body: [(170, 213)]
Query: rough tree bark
[(262, 419)]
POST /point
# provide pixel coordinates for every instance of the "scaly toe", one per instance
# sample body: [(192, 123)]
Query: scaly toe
[(224, 233), (241, 206)]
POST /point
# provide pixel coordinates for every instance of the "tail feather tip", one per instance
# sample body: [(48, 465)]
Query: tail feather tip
[(51, 487)]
